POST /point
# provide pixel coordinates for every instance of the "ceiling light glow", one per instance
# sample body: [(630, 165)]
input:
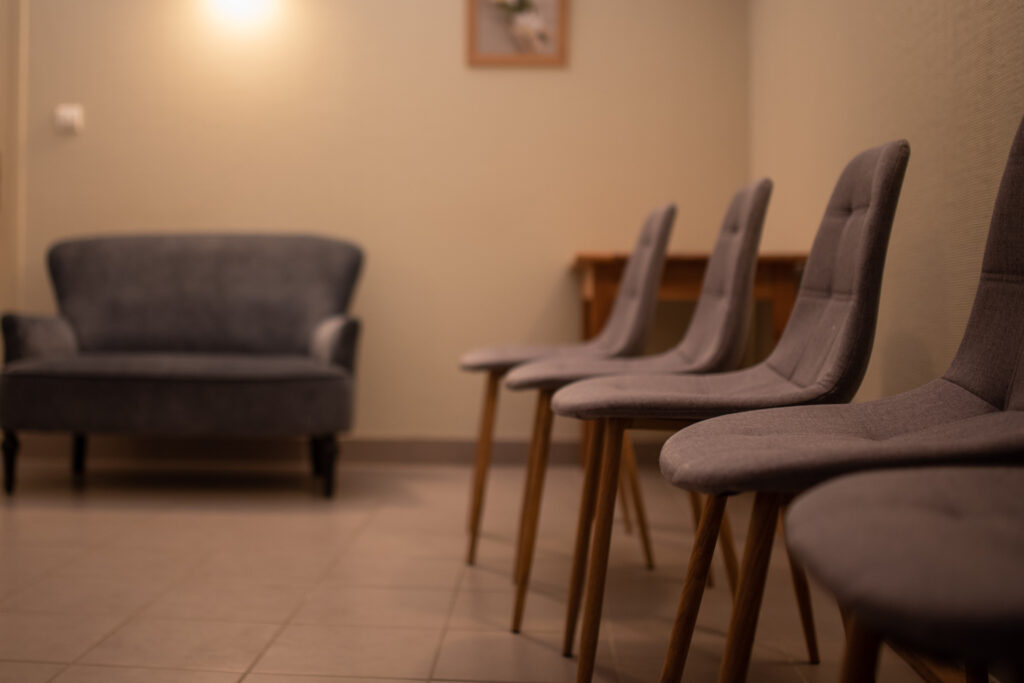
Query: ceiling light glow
[(242, 14)]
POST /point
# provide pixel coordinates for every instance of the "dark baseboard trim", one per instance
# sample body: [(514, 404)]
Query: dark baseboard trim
[(456, 451), (425, 451), (452, 451)]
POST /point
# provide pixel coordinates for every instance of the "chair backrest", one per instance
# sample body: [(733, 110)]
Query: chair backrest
[(717, 333), (625, 331), (214, 293), (828, 338), (989, 362)]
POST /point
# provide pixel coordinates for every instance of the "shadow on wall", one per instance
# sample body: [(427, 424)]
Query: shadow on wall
[(905, 355)]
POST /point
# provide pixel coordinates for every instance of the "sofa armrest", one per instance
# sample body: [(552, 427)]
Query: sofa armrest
[(28, 336), (335, 340)]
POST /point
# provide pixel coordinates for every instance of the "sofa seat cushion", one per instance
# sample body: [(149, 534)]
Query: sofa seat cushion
[(176, 394)]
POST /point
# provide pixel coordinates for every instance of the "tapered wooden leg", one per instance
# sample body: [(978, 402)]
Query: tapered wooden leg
[(629, 460), (695, 505), (627, 519), (584, 524), (483, 460), (78, 445), (860, 660), (732, 565), (532, 517), (747, 603), (598, 565), (10, 448), (531, 473), (693, 588), (803, 601), (587, 432)]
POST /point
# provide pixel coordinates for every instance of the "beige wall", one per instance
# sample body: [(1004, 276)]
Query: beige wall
[(10, 46), (469, 188), (8, 35), (830, 78)]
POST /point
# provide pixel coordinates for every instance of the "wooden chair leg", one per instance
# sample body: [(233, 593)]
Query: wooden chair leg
[(747, 604), (695, 505), (629, 460), (587, 434), (598, 565), (10, 450), (531, 473), (532, 513), (627, 518), (803, 601), (732, 565), (860, 660), (78, 446), (584, 525), (697, 572), (483, 461)]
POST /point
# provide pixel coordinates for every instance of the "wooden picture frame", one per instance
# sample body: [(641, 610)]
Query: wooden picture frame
[(499, 32)]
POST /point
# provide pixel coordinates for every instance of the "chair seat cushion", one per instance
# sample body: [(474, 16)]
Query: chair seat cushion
[(792, 449), (502, 358), (930, 558), (176, 394), (552, 373), (681, 397)]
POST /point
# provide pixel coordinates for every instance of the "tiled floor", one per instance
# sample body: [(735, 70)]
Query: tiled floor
[(169, 570)]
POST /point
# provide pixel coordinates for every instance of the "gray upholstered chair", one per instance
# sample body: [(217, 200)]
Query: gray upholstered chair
[(928, 560), (189, 335), (820, 358), (714, 341), (975, 412), (623, 335)]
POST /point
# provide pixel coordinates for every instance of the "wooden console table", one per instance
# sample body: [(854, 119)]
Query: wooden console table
[(776, 281)]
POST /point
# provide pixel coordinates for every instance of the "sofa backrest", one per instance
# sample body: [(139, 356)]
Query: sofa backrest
[(211, 293)]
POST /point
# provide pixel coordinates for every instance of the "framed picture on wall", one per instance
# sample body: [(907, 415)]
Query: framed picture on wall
[(518, 32)]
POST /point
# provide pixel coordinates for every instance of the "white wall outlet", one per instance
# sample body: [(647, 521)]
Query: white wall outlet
[(69, 118)]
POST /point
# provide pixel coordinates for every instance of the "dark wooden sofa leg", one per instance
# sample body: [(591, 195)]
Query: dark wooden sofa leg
[(78, 445), (10, 449), (325, 455), (314, 457)]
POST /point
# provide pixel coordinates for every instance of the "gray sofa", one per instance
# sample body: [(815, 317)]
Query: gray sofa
[(188, 335)]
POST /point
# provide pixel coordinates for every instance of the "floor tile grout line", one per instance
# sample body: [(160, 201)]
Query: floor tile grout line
[(363, 519), (147, 667), (54, 572), (63, 666), (47, 574), (301, 603), (447, 620), (60, 672), (185, 576)]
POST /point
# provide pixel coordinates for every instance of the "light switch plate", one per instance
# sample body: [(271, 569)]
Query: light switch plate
[(69, 118)]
